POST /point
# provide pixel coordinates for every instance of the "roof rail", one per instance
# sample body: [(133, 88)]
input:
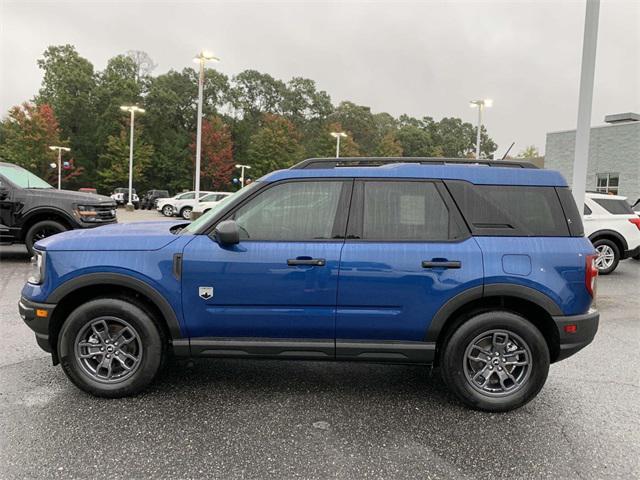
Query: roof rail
[(334, 162)]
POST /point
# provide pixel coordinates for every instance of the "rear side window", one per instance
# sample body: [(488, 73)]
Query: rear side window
[(614, 206), (405, 211), (501, 210)]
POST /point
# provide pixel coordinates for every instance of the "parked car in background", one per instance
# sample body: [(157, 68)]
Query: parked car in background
[(31, 209), (483, 271), (88, 190), (613, 228), (207, 202), (121, 197), (148, 200), (180, 205)]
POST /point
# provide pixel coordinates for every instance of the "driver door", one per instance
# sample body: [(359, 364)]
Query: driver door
[(278, 286)]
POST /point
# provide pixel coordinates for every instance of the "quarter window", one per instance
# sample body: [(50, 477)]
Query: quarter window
[(294, 211), (187, 196), (404, 211)]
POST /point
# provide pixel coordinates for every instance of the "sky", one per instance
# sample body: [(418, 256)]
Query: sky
[(422, 58)]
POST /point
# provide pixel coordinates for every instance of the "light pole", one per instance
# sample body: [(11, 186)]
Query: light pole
[(242, 168), (201, 58), (338, 136), (480, 104), (60, 150), (132, 109)]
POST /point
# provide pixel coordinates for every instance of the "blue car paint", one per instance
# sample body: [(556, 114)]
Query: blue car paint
[(256, 294), (557, 267), (393, 297)]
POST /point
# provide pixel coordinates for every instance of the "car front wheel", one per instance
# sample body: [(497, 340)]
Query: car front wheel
[(495, 361), (110, 347), (41, 230)]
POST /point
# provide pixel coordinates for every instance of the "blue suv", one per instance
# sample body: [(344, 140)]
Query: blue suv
[(480, 268)]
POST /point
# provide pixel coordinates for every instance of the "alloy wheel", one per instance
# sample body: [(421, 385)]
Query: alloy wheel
[(108, 349), (497, 363), (606, 257)]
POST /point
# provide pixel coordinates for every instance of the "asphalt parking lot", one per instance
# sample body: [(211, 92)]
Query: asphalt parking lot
[(280, 419)]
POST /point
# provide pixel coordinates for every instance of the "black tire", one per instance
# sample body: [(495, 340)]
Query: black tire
[(186, 213), (150, 353), (168, 210), (40, 230), (604, 243), (457, 370)]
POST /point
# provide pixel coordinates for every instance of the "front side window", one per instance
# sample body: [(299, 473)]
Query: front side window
[(294, 211), (404, 211), (187, 196), (608, 183)]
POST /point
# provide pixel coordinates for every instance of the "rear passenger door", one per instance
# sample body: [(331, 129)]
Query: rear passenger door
[(407, 253)]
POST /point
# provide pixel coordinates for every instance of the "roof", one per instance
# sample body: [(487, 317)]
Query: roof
[(477, 174)]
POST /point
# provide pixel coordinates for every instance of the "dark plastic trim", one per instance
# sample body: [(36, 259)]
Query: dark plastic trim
[(609, 233), (385, 351), (444, 314), (332, 162), (525, 293), (118, 279), (261, 348)]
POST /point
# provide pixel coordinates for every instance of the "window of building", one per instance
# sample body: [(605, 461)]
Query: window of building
[(608, 183)]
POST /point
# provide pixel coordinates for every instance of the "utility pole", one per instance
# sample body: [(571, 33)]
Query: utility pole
[(480, 104), (60, 150), (132, 109), (242, 168), (338, 136)]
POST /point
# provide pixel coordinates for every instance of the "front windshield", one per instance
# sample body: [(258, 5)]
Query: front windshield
[(22, 178), (204, 219)]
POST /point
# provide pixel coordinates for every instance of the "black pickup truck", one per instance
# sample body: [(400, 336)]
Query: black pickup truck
[(31, 209)]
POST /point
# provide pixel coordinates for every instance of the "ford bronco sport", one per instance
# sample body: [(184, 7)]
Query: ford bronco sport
[(481, 269)]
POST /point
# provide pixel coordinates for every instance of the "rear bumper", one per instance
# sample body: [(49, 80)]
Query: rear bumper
[(631, 253), (586, 326), (36, 316)]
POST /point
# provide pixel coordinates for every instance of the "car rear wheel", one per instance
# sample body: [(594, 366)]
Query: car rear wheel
[(186, 213), (110, 347), (41, 230), (495, 361), (608, 256), (167, 211)]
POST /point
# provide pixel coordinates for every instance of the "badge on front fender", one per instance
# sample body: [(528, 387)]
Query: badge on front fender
[(205, 292)]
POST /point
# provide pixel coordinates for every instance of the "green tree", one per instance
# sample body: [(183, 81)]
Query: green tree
[(28, 132), (530, 152), (389, 146), (254, 93), (276, 145), (68, 86), (115, 159), (360, 122)]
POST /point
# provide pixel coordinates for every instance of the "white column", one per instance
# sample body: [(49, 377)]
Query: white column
[(583, 130), (199, 130), (131, 157), (480, 107), (59, 168)]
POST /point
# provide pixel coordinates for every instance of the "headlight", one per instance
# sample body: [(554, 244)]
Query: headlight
[(37, 267), (86, 213)]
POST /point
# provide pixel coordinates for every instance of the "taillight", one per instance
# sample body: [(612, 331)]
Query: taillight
[(636, 222), (591, 275)]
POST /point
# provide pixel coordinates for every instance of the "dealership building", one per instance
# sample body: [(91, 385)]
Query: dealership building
[(614, 155)]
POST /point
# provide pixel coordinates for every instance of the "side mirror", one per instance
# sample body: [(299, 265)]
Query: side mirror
[(227, 233)]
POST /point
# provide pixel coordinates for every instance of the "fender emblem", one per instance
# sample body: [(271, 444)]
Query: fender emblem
[(205, 292)]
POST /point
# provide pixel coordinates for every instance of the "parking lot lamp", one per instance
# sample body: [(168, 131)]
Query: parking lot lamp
[(338, 136), (201, 58), (480, 104), (242, 169), (132, 109), (60, 150)]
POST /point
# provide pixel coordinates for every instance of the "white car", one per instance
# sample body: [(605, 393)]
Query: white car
[(208, 201), (613, 228), (121, 196), (181, 204)]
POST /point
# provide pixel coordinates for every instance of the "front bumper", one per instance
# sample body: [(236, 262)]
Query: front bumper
[(631, 253), (585, 326), (37, 316)]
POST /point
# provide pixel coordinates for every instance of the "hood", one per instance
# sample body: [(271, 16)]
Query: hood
[(69, 196), (115, 237)]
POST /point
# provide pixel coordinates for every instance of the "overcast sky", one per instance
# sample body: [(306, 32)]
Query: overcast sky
[(420, 58)]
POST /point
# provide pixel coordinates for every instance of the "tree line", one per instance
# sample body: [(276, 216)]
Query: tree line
[(251, 118)]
